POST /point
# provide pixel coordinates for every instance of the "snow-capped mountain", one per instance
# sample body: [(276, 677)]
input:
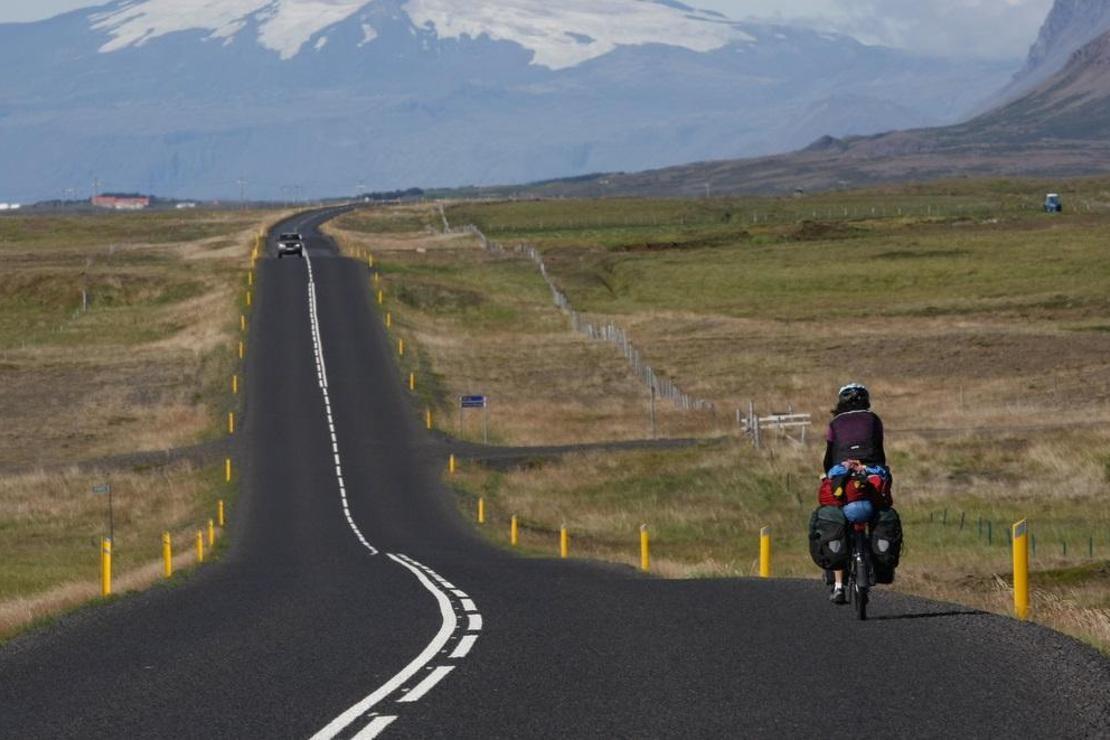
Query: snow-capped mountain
[(185, 96)]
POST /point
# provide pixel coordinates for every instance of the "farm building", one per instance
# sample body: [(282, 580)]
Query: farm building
[(122, 202)]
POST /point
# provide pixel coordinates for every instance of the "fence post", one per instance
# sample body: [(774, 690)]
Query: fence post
[(1021, 569)]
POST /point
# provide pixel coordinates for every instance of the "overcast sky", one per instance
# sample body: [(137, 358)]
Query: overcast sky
[(986, 28)]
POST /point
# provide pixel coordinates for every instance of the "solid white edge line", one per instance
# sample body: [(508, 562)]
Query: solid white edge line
[(426, 656), (375, 728), (463, 648), (429, 682)]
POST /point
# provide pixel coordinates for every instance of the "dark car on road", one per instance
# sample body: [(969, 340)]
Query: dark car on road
[(291, 243)]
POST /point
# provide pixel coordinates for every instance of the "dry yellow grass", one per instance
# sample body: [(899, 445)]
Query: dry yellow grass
[(53, 523), (145, 368), (504, 339)]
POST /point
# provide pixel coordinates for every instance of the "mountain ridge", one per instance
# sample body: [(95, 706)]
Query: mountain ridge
[(187, 114), (1060, 128), (1069, 26)]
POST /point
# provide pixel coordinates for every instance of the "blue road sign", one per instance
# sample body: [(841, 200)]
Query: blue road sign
[(472, 402)]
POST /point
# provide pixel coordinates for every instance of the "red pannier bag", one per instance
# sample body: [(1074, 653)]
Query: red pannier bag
[(881, 495)]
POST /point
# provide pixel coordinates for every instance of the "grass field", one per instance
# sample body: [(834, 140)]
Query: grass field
[(979, 323), (142, 361)]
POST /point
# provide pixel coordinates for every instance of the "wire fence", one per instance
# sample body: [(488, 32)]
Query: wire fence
[(659, 386), (1057, 540)]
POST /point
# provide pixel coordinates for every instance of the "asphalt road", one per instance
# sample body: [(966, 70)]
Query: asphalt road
[(355, 600)]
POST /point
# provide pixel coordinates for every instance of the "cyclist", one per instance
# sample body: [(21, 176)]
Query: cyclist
[(854, 444)]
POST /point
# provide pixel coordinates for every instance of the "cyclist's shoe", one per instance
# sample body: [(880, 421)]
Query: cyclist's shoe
[(837, 596)]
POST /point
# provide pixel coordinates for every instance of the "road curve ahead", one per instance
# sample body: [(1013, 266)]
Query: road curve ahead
[(355, 603)]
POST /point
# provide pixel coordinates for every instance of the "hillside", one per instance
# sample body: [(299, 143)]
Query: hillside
[(1060, 128), (1070, 25)]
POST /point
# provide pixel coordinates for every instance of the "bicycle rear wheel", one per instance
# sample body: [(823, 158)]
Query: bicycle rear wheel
[(859, 598)]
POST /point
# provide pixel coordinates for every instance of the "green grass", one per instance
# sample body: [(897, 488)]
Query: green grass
[(81, 231), (1023, 266)]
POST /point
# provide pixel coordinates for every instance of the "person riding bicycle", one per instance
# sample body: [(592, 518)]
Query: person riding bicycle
[(854, 464)]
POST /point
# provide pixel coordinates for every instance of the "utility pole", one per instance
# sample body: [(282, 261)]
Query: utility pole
[(95, 186), (242, 193)]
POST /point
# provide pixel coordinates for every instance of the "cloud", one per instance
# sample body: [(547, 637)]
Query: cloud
[(1001, 29)]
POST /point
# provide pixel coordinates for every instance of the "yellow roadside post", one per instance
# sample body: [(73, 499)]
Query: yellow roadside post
[(167, 555), (564, 542), (227, 470), (200, 546), (231, 422), (514, 531), (412, 381), (211, 533), (242, 322), (242, 350), (248, 298), (106, 566), (481, 510), (381, 297), (645, 549), (370, 260), (765, 552), (1021, 569), (377, 279), (388, 320), (250, 277), (428, 418), (401, 347), (452, 466), (220, 512), (235, 384)]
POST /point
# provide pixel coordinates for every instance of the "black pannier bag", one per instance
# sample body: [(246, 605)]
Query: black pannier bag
[(886, 544), (828, 538)]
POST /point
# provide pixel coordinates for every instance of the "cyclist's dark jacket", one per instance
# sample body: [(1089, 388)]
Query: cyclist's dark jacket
[(855, 435)]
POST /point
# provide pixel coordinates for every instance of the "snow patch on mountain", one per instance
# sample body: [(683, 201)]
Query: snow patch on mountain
[(284, 26), (560, 35), (555, 32)]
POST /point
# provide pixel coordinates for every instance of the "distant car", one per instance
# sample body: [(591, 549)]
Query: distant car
[(291, 243), (1053, 204)]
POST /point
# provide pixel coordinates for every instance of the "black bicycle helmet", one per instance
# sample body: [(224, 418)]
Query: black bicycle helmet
[(853, 397)]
